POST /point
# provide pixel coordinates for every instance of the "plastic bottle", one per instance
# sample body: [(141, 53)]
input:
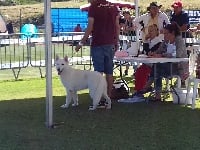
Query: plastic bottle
[(174, 51)]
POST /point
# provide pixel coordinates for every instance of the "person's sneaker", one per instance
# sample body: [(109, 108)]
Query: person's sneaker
[(102, 104)]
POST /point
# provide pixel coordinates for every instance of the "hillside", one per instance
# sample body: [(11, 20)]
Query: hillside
[(21, 14)]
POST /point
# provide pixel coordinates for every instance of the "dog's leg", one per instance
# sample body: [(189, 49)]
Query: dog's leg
[(68, 100), (105, 95), (108, 100), (96, 96), (75, 98)]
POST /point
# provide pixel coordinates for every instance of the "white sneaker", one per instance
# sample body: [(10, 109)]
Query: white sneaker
[(64, 106)]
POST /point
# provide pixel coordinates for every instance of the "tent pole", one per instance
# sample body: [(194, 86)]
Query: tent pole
[(48, 63), (137, 15)]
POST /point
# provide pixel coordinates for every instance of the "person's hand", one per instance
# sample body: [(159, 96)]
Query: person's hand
[(150, 53), (153, 54), (168, 55), (157, 55), (78, 47), (116, 47)]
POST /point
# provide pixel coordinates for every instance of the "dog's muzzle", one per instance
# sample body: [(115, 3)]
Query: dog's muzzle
[(59, 71)]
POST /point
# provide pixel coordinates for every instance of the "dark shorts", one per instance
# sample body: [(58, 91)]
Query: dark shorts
[(102, 57)]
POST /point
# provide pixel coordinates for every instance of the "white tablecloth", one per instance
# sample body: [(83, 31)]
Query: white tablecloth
[(150, 60)]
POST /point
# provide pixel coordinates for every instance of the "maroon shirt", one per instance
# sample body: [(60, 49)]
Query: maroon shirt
[(104, 28)]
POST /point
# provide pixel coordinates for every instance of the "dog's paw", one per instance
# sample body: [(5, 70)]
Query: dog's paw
[(64, 106)]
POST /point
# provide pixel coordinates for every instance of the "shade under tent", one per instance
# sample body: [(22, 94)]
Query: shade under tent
[(48, 60)]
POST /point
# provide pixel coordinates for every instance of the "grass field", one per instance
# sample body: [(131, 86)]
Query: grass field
[(138, 126), (141, 126)]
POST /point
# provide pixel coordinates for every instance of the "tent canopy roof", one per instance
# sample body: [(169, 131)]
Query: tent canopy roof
[(120, 4)]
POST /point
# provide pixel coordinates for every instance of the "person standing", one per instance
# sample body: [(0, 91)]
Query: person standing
[(129, 29), (181, 18), (9, 28), (154, 16), (103, 25), (130, 32)]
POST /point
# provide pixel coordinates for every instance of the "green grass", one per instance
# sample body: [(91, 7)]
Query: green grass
[(139, 126)]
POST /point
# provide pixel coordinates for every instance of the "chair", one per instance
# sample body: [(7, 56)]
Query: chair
[(173, 87), (192, 81)]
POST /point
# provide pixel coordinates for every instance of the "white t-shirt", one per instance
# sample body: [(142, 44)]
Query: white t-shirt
[(171, 49)]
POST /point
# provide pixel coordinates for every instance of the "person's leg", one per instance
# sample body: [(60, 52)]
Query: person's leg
[(163, 71), (158, 88), (97, 58), (148, 85), (102, 57), (109, 79), (126, 70), (98, 64), (143, 80), (108, 67)]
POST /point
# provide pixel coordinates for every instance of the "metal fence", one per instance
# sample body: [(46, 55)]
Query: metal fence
[(17, 53)]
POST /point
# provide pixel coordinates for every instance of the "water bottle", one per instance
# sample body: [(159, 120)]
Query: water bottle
[(174, 51)]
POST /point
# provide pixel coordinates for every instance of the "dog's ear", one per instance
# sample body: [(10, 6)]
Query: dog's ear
[(66, 58), (57, 57)]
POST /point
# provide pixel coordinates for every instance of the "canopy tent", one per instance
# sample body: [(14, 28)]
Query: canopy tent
[(2, 25), (120, 4), (48, 61)]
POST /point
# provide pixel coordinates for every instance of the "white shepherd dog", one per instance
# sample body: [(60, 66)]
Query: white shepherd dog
[(75, 80)]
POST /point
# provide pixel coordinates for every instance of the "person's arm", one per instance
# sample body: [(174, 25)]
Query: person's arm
[(117, 28), (165, 21), (185, 25), (88, 31)]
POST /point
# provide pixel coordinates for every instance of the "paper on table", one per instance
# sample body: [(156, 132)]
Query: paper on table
[(142, 56)]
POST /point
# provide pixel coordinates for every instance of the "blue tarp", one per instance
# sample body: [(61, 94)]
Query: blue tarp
[(65, 19)]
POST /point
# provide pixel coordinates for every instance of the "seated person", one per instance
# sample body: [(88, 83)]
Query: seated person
[(129, 28), (142, 73), (172, 46), (78, 28), (153, 39)]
